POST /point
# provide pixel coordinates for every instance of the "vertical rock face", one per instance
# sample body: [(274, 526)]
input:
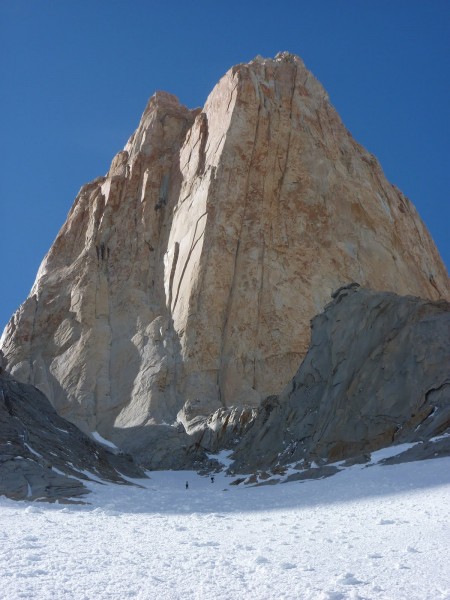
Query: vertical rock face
[(184, 281)]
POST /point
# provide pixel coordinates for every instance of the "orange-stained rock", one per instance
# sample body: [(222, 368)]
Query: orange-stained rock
[(184, 281)]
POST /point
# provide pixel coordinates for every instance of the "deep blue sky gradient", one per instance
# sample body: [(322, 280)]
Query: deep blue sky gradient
[(75, 77)]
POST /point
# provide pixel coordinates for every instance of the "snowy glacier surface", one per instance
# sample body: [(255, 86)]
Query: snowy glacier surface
[(369, 532)]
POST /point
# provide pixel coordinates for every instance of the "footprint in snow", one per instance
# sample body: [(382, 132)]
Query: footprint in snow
[(333, 596), (386, 522), (287, 565), (413, 550), (349, 579), (261, 560), (206, 544), (36, 573), (34, 558)]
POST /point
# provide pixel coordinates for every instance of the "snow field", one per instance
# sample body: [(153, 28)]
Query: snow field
[(365, 533)]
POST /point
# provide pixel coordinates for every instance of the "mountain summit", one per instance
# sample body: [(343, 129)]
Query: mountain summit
[(184, 281)]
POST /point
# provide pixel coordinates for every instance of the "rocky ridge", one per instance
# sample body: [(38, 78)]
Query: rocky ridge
[(377, 374), (44, 457), (183, 282)]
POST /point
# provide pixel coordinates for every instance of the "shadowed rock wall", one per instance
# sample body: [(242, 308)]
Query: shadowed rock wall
[(377, 373), (44, 457)]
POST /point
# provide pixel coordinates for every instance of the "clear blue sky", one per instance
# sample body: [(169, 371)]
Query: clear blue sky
[(75, 76)]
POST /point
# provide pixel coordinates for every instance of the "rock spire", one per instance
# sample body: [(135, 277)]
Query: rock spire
[(184, 280)]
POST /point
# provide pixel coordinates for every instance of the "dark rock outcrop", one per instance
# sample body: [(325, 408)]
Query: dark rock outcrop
[(377, 373), (43, 456)]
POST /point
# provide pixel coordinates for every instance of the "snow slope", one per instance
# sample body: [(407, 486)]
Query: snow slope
[(367, 532)]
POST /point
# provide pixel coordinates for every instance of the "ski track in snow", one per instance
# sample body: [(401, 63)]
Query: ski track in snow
[(365, 533)]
